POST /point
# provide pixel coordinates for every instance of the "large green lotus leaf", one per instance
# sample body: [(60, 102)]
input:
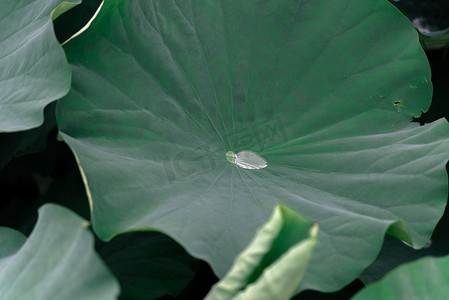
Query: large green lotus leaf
[(322, 91), (424, 279), (274, 263), (33, 67), (148, 265), (57, 261)]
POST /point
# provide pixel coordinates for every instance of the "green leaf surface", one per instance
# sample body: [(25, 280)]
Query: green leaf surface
[(57, 261), (323, 91), (11, 241), (33, 67), (394, 252), (274, 263), (440, 77), (148, 265), (425, 279)]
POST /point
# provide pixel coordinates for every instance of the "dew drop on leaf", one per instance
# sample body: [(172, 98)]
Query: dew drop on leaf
[(247, 159)]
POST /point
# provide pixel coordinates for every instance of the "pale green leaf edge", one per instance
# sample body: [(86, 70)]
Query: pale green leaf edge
[(22, 260), (278, 280), (63, 7)]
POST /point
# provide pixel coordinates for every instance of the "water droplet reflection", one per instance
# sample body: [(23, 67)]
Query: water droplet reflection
[(247, 159)]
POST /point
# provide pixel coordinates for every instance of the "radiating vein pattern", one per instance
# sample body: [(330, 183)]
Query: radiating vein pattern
[(197, 117)]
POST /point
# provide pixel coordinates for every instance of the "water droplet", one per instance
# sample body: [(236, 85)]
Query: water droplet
[(247, 159)]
